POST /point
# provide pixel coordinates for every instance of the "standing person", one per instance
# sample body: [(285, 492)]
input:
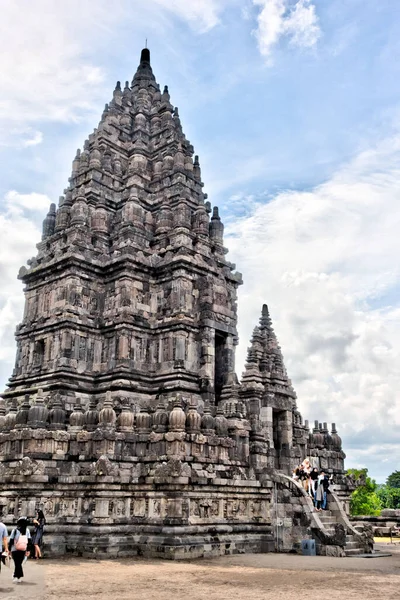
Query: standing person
[(37, 537), (3, 540), (306, 477), (314, 479), (297, 473), (20, 539), (325, 484), (319, 492)]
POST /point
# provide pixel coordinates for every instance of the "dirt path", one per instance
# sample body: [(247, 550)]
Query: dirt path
[(250, 577)]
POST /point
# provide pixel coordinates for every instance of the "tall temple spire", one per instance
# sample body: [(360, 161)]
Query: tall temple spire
[(264, 359), (124, 376), (131, 283)]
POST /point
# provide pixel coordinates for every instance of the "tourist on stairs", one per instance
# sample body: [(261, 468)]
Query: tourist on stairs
[(319, 494), (325, 485), (306, 477), (313, 482)]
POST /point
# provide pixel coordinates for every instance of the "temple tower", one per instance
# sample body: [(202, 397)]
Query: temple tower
[(124, 419), (130, 290)]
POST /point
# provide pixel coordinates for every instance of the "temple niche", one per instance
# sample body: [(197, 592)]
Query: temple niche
[(124, 419)]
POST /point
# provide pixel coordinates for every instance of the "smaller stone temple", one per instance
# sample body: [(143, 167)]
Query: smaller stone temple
[(124, 419)]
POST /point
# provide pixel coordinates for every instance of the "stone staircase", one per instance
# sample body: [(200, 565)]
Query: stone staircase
[(352, 547), (334, 534)]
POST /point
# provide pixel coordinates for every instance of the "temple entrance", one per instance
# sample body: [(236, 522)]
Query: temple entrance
[(277, 417), (282, 438), (221, 363)]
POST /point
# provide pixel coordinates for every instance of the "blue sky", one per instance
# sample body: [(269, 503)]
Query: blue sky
[(293, 107)]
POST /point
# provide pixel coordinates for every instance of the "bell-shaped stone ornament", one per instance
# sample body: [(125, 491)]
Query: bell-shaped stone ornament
[(38, 413), (221, 423), (126, 418), (107, 415), (143, 420), (207, 420), (177, 416), (92, 415), (336, 439), (57, 414), (160, 418), (21, 419), (11, 415), (193, 419), (77, 417)]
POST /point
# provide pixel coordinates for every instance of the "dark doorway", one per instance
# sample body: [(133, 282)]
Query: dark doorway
[(38, 353), (221, 363), (276, 425)]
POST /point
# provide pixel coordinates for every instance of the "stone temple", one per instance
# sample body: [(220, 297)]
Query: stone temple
[(124, 419)]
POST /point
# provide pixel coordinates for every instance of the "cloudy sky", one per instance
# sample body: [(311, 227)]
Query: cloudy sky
[(294, 109)]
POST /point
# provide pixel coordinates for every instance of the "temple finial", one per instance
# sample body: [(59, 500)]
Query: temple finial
[(145, 55), (144, 73)]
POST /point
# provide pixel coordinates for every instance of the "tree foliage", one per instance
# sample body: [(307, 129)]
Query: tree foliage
[(364, 500), (389, 496), (393, 481)]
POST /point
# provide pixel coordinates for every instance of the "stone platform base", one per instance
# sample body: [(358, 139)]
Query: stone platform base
[(169, 542)]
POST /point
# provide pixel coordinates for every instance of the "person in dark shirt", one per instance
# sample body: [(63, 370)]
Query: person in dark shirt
[(37, 538), (314, 478), (325, 481)]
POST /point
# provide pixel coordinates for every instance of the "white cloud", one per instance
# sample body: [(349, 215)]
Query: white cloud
[(51, 54), (326, 261), (19, 236), (276, 19), (14, 202), (202, 15), (35, 138)]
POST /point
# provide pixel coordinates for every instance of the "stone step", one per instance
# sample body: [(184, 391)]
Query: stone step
[(328, 519), (353, 551), (351, 545)]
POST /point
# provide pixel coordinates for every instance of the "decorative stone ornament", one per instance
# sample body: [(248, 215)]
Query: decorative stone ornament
[(77, 417), (38, 413), (193, 419), (107, 415), (126, 417), (177, 416), (57, 414), (143, 420), (160, 418), (21, 419), (92, 415), (207, 420)]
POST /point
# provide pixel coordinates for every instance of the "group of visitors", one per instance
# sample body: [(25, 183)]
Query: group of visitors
[(20, 543), (315, 482)]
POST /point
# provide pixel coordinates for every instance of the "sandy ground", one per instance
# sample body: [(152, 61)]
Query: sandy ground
[(249, 577)]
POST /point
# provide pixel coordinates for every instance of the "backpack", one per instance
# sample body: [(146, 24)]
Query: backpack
[(21, 543)]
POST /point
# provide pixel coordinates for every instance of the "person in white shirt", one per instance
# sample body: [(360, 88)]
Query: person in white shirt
[(20, 541)]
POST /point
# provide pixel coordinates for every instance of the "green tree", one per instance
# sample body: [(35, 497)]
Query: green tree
[(389, 496), (364, 500), (393, 480)]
